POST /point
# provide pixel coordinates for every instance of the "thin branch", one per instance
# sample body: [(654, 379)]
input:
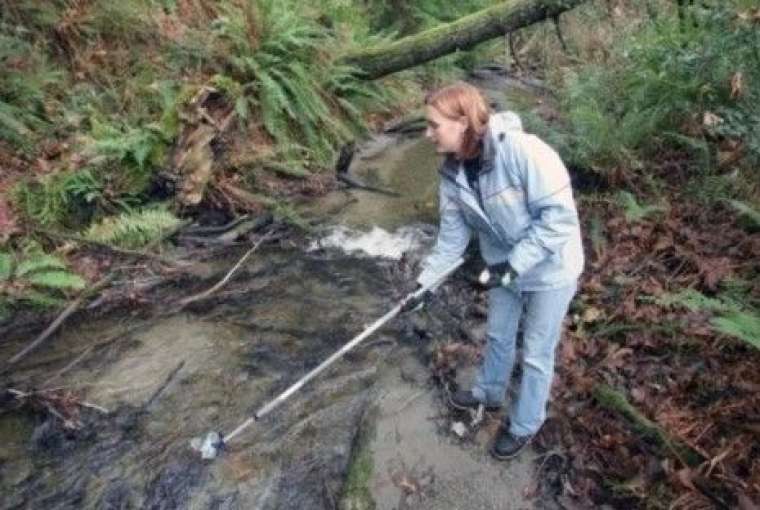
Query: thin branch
[(70, 309), (23, 394), (223, 281), (555, 19)]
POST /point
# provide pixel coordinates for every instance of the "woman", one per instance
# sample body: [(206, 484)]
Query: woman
[(513, 190)]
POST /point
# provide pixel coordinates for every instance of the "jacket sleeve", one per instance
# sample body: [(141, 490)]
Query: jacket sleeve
[(453, 236), (549, 197)]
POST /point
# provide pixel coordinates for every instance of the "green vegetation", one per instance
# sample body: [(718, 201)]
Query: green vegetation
[(59, 197), (733, 311), (356, 493), (34, 277), (669, 87), (634, 211), (132, 229)]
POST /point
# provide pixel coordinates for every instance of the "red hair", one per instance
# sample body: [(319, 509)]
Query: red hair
[(459, 100)]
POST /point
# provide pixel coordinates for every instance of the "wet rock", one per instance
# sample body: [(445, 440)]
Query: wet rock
[(51, 438), (226, 502), (118, 496), (314, 466), (172, 487), (412, 371)]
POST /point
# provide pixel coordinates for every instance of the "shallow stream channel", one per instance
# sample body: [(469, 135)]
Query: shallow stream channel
[(370, 432)]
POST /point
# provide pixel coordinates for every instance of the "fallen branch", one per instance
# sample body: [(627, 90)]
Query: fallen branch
[(356, 183), (70, 309), (164, 385), (615, 401), (204, 231), (223, 281), (20, 395)]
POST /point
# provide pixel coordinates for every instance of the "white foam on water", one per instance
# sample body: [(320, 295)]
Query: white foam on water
[(375, 243)]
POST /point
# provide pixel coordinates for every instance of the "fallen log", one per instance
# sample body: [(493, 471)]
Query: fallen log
[(462, 34), (353, 182), (616, 401)]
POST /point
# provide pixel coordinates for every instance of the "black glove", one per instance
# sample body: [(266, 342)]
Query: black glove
[(415, 303), (501, 274)]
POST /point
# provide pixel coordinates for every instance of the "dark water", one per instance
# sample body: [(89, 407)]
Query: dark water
[(286, 313)]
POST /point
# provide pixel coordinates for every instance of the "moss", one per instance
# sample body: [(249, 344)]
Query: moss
[(356, 494)]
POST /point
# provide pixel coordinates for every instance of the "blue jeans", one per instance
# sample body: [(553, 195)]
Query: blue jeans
[(542, 328)]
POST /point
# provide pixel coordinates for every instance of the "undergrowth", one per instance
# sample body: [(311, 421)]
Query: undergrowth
[(688, 87), (34, 277), (132, 229), (732, 315)]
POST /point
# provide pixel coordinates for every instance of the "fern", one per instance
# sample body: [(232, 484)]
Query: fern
[(278, 57), (41, 299), (6, 266), (37, 263), (747, 211), (35, 277), (132, 229), (133, 145), (24, 90), (633, 210), (59, 197), (731, 318), (57, 280), (742, 325), (695, 301)]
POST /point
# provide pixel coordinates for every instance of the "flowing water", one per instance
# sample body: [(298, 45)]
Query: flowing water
[(165, 379)]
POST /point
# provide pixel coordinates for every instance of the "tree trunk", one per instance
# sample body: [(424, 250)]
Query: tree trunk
[(461, 34)]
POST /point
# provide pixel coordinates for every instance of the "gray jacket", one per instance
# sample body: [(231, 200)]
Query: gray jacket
[(528, 215)]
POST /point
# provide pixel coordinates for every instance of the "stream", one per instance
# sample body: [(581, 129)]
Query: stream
[(166, 379)]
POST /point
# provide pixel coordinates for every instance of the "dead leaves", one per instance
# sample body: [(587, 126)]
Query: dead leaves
[(671, 364)]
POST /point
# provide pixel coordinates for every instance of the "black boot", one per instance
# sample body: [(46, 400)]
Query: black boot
[(464, 400), (507, 445)]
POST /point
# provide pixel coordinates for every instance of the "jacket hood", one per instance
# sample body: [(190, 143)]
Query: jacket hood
[(499, 125)]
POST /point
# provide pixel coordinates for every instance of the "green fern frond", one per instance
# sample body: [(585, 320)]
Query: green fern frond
[(694, 301), (633, 210), (742, 325), (132, 229), (747, 211), (291, 170), (63, 280), (38, 262), (41, 299), (6, 266), (732, 316), (59, 196)]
